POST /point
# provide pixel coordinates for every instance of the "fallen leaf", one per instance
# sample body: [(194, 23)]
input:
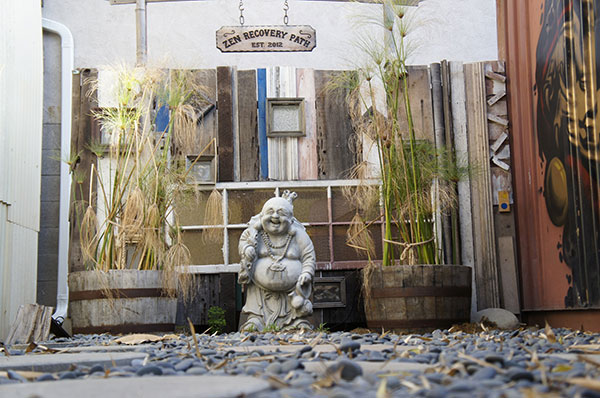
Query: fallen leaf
[(276, 382), (589, 360), (550, 336), (585, 382), (382, 391), (193, 331), (316, 340), (411, 386), (329, 380), (585, 347), (133, 339), (481, 362), (562, 368), (29, 375), (32, 346), (245, 339), (220, 364), (533, 393)]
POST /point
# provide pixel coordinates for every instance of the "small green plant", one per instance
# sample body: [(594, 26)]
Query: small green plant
[(271, 328), (322, 328), (216, 319)]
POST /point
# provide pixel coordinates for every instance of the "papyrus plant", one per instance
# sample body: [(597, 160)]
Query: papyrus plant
[(417, 179), (140, 175)]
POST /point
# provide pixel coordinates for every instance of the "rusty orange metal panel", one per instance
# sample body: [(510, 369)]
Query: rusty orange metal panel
[(552, 50)]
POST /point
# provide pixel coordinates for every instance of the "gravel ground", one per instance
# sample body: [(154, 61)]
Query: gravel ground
[(490, 363)]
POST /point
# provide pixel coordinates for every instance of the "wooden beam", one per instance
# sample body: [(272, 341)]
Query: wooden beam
[(84, 132), (225, 124), (261, 78), (248, 128), (307, 146), (121, 2), (484, 237), (334, 128)]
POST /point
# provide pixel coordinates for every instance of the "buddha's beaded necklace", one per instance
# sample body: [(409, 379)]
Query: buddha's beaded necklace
[(270, 246)]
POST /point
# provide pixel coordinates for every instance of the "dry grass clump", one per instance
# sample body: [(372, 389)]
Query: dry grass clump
[(135, 225), (417, 179)]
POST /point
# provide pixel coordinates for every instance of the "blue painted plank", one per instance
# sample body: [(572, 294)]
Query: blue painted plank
[(162, 119), (261, 77)]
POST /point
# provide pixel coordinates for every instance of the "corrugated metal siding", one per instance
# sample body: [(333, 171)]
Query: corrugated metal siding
[(21, 138), (552, 50), (22, 108)]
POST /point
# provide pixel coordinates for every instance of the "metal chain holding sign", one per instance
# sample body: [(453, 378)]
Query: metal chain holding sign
[(241, 6), (286, 7)]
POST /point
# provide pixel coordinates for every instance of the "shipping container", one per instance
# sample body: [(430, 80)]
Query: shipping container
[(551, 49)]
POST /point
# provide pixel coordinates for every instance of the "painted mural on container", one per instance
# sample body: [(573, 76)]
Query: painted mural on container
[(567, 84)]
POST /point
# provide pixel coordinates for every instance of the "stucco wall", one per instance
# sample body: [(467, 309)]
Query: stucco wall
[(182, 34)]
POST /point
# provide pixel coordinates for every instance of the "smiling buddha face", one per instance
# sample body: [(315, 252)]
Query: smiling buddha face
[(276, 216)]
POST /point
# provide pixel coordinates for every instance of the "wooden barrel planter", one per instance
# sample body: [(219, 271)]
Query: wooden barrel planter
[(418, 297), (120, 301)]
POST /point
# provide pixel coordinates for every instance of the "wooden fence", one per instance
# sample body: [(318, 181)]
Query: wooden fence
[(459, 106)]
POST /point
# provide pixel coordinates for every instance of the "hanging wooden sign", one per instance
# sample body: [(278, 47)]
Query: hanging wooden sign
[(268, 38)]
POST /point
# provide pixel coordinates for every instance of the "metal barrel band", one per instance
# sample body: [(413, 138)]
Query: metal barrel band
[(424, 291), (415, 323), (117, 293), (126, 328)]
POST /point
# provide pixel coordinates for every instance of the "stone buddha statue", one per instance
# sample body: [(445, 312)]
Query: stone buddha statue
[(277, 268)]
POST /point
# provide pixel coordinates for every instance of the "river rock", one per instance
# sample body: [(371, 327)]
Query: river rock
[(502, 318)]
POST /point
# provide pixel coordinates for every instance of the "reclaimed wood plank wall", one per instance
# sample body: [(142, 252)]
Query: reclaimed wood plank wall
[(206, 129), (501, 180), (246, 154), (484, 239), (83, 133), (225, 124), (248, 126), (307, 146), (282, 151), (419, 94), (334, 154)]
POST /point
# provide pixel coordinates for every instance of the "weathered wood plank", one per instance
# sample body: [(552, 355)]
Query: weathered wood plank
[(83, 133), (42, 330), (206, 129), (307, 146), (227, 296), (497, 119), (495, 76), (419, 94), (283, 152), (32, 324), (491, 101), (334, 128), (225, 124), (508, 273), (486, 272), (428, 302), (248, 126), (459, 127)]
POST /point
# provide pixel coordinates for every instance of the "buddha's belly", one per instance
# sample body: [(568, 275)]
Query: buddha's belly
[(269, 277)]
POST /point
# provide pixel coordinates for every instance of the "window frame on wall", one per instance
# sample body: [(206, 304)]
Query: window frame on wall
[(277, 187)]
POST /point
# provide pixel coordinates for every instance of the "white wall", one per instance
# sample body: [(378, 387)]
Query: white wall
[(21, 73), (182, 34)]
